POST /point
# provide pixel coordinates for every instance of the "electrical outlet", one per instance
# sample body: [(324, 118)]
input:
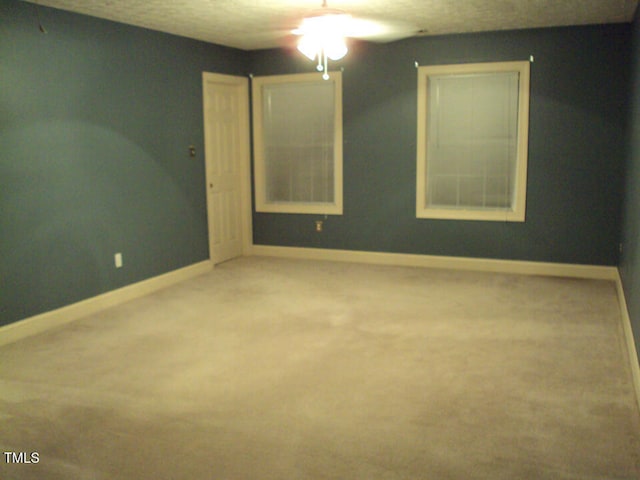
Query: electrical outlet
[(318, 225), (118, 260)]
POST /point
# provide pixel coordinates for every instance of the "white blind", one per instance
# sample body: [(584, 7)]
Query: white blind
[(299, 135), (472, 130)]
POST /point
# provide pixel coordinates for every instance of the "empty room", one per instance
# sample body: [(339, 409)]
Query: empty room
[(300, 239)]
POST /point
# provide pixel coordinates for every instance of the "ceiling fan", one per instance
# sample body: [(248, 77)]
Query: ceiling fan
[(321, 36)]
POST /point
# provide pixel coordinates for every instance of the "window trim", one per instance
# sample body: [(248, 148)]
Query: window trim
[(261, 203), (517, 212)]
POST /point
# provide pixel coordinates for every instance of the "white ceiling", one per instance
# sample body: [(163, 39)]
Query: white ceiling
[(257, 24)]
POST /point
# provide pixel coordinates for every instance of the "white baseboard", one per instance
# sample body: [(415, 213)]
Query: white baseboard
[(434, 261), (629, 339), (44, 321)]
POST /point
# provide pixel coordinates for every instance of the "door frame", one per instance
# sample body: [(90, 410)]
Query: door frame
[(244, 158)]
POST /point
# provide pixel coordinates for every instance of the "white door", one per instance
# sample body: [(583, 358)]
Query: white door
[(226, 135)]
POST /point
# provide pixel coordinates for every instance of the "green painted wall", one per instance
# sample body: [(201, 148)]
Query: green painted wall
[(630, 261), (95, 123), (579, 90)]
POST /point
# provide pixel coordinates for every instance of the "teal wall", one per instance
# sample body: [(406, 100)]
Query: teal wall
[(579, 89), (95, 123), (96, 118), (630, 261)]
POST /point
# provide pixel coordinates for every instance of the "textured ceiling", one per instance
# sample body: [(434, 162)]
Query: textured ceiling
[(257, 24)]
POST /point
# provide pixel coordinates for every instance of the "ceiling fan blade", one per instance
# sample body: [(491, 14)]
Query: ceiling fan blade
[(379, 31)]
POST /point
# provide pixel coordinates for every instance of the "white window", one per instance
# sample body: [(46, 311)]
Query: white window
[(473, 123), (297, 132)]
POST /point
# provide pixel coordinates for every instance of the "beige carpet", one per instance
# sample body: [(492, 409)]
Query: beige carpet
[(287, 369)]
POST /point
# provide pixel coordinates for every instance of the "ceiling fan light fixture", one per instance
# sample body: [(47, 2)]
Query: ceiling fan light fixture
[(313, 45), (335, 48), (323, 37), (309, 45)]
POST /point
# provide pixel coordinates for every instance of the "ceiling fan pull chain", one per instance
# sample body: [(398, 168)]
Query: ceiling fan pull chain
[(326, 69)]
